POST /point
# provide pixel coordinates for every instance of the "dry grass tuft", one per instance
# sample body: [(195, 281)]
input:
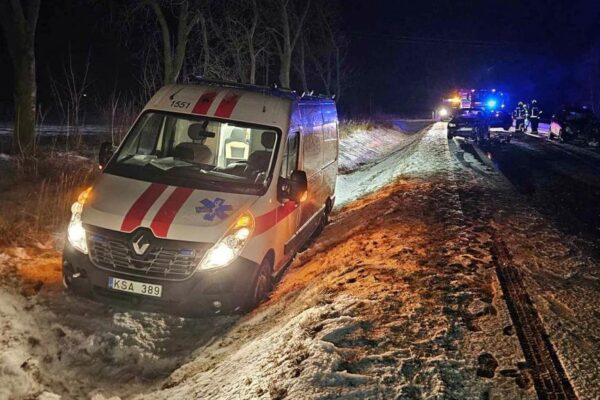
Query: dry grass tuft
[(36, 195), (349, 126)]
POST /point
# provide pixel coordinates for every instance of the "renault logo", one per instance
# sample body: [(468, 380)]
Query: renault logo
[(140, 244)]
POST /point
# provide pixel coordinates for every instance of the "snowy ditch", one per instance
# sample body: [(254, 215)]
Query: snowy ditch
[(56, 346), (398, 298)]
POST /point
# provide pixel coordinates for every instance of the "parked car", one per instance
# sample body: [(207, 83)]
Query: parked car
[(208, 197), (574, 123), (500, 119), (470, 123)]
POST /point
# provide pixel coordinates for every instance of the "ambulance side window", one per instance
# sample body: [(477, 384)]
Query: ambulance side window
[(290, 157)]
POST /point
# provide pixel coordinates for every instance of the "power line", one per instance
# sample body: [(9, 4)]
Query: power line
[(431, 40)]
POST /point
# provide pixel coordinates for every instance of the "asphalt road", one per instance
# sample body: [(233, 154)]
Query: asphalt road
[(561, 181)]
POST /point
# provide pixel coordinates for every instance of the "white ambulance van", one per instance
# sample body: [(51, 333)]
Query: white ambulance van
[(208, 197)]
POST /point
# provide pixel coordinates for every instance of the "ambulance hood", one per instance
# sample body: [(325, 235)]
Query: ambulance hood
[(178, 213)]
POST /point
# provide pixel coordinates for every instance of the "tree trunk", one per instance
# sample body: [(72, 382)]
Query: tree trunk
[(252, 67), (173, 61), (302, 66), (251, 35), (25, 100), (285, 67), (19, 28), (205, 46)]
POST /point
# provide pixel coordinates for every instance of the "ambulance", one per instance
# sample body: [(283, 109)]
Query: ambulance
[(212, 192)]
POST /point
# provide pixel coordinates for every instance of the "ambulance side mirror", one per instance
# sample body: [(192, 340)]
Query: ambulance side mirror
[(106, 152), (295, 188)]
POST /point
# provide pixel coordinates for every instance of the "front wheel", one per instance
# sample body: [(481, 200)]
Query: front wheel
[(261, 287)]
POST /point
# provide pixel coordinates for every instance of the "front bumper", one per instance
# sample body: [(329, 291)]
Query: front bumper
[(221, 291), (462, 133)]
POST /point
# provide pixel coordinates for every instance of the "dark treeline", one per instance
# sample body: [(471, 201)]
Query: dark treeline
[(295, 44)]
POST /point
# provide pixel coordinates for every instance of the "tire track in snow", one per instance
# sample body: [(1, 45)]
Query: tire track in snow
[(550, 379)]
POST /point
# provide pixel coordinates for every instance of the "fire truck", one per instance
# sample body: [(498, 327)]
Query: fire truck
[(493, 101), (490, 99)]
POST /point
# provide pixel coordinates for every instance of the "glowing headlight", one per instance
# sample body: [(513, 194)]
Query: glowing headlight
[(75, 232), (443, 112), (451, 125), (229, 247)]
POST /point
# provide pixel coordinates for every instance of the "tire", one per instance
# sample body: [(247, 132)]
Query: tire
[(561, 136), (261, 285), (450, 136)]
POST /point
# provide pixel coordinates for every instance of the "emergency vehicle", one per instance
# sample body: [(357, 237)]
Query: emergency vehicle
[(208, 197), (492, 101)]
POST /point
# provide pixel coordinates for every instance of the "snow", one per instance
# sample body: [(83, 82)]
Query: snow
[(58, 344), (398, 298), (58, 130), (363, 147), (386, 304), (372, 158)]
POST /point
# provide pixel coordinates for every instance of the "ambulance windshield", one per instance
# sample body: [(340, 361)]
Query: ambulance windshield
[(184, 150)]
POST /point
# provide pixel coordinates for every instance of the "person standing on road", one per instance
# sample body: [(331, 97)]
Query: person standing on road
[(525, 117), (534, 116), (519, 117)]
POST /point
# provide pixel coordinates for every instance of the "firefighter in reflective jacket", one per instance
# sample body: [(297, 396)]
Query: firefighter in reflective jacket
[(519, 117), (534, 116)]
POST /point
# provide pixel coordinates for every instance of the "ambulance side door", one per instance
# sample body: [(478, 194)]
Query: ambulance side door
[(289, 212)]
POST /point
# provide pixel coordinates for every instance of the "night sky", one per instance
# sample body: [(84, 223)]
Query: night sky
[(404, 55)]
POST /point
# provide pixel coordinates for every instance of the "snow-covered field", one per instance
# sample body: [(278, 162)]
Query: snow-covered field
[(398, 298), (62, 130)]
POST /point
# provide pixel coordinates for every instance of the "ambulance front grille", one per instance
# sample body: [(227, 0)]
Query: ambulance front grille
[(160, 262)]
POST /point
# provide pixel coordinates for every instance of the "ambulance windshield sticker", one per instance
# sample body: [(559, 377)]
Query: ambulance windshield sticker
[(214, 208)]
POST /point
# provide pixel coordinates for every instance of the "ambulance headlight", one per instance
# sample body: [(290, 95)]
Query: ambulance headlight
[(230, 246), (451, 125), (75, 232)]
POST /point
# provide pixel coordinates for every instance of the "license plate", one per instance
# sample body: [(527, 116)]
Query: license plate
[(124, 285)]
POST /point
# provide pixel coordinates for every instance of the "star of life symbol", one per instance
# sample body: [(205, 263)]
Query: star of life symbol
[(213, 208)]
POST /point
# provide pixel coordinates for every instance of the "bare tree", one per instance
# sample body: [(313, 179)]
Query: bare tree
[(150, 78), (174, 50), (249, 24), (19, 21), (70, 93), (286, 33), (326, 48)]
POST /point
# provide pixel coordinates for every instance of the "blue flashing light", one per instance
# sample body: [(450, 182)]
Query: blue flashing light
[(491, 103)]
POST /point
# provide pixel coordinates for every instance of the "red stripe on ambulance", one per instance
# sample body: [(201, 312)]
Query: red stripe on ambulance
[(138, 210), (270, 219), (166, 214), (204, 103), (227, 105)]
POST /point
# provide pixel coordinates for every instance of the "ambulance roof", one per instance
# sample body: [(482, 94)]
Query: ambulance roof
[(245, 103)]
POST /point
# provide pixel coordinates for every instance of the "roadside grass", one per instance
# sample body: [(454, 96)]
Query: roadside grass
[(36, 195), (348, 127)]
